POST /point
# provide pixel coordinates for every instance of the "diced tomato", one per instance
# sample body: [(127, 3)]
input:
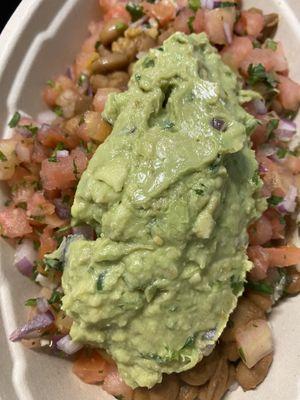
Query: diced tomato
[(289, 93), (47, 243), (117, 11), (105, 5), (293, 164), (277, 178), (260, 232), (277, 223), (53, 90), (39, 152), (101, 97), (266, 257), (234, 54), (65, 172), (50, 137), (283, 256), (164, 11), (22, 176), (23, 151), (260, 134), (38, 206), (114, 385), (260, 261), (271, 60), (199, 23), (252, 22), (181, 22), (214, 23), (90, 367), (13, 223), (22, 194)]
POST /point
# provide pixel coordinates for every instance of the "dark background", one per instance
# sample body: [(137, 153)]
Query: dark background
[(8, 7)]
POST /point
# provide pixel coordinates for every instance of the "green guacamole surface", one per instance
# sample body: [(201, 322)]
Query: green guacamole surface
[(170, 194)]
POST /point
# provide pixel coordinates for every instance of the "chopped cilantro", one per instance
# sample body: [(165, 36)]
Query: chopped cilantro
[(137, 77), (282, 220), (160, 48), (194, 5), (148, 62), (199, 192), (255, 178), (271, 44), (119, 397), (224, 4), (261, 287), (120, 26), (97, 45), (2, 156), (242, 354), (272, 125), (22, 205), (190, 23), (190, 341), (58, 111), (135, 10), (36, 244), (100, 280), (75, 169), (50, 83), (256, 44), (55, 297), (53, 263), (281, 153), (30, 128), (236, 285), (82, 79), (52, 158), (275, 200), (15, 120), (30, 302), (168, 124), (257, 74)]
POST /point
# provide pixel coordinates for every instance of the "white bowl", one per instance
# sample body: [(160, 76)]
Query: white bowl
[(40, 40)]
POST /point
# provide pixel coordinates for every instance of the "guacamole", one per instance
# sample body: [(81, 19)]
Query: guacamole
[(170, 194)]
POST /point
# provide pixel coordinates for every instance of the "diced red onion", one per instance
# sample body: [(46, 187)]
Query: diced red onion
[(45, 282), (39, 321), (287, 125), (62, 153), (209, 4), (69, 73), (90, 92), (85, 230), (286, 130), (68, 346), (228, 32), (42, 304), (62, 209), (262, 169), (289, 202), (46, 117), (23, 131), (25, 267), (260, 106), (25, 256)]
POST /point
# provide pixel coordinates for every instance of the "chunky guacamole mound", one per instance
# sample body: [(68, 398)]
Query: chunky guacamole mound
[(170, 194)]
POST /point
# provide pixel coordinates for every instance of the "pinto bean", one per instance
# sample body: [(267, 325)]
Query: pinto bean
[(117, 80), (110, 62), (230, 351), (217, 385), (251, 378), (141, 394), (202, 372), (271, 23), (264, 302), (167, 390), (187, 392), (294, 283), (245, 312), (111, 31)]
